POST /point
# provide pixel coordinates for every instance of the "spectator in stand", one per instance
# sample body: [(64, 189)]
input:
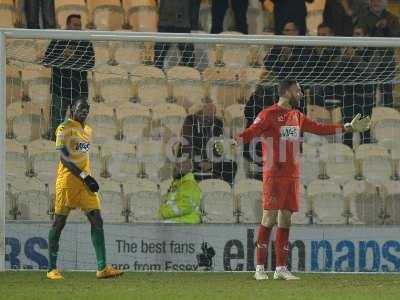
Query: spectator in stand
[(325, 72), (341, 15), (218, 11), (381, 23), (359, 97), (174, 16), (197, 132), (181, 204), (32, 9), (289, 61), (70, 60), (294, 10)]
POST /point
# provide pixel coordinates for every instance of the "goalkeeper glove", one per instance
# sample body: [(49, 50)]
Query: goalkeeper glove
[(359, 124), (90, 182)]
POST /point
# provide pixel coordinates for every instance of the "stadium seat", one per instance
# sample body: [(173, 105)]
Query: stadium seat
[(234, 118), (217, 201), (224, 85), (25, 121), (102, 53), (21, 51), (65, 8), (32, 199), (248, 195), (128, 54), (17, 160), (385, 126), (144, 198), (252, 76), (102, 119), (305, 209), (7, 13), (14, 85), (374, 162), (394, 7), (321, 114), (112, 85), (149, 85), (97, 155), (36, 85), (309, 164), (362, 204), (327, 202), (186, 85), (169, 118), (391, 196), (120, 161), (134, 120), (114, 205), (44, 160), (226, 55), (141, 15), (339, 162), (151, 154), (106, 14)]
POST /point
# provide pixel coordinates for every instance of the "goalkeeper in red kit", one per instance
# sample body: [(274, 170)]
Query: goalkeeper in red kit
[(280, 127)]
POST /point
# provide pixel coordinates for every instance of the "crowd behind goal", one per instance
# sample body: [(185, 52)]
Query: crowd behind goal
[(145, 96)]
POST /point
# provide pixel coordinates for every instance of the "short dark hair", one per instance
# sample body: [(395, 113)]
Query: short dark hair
[(291, 21), (286, 84), (364, 28), (70, 17), (324, 25)]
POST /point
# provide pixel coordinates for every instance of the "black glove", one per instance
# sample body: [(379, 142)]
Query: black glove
[(91, 183)]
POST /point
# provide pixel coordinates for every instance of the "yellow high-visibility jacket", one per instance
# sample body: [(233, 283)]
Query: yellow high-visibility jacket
[(182, 201)]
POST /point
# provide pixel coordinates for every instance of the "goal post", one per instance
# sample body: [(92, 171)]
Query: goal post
[(139, 112)]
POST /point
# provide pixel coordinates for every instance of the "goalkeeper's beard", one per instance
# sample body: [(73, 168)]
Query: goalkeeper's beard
[(294, 103)]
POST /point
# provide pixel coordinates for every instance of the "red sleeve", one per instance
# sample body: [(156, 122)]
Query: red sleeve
[(260, 125), (320, 128)]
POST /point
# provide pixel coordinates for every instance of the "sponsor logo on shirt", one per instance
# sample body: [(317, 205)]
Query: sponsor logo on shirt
[(289, 132), (82, 147)]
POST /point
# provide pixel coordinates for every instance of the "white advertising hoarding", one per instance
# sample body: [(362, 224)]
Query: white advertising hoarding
[(167, 247)]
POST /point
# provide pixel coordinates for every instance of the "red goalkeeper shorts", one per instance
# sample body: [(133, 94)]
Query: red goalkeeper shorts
[(286, 191)]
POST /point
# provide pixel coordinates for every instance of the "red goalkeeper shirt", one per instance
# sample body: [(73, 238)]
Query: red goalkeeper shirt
[(280, 130)]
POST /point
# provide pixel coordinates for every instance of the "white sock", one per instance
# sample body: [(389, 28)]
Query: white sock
[(259, 268), (280, 268)]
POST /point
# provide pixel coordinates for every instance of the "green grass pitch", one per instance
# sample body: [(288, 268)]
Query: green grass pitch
[(77, 286)]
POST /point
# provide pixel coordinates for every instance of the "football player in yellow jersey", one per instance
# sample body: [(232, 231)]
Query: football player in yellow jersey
[(75, 188)]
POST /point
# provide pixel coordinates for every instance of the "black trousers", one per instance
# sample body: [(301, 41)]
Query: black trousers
[(161, 49), (218, 11), (32, 8)]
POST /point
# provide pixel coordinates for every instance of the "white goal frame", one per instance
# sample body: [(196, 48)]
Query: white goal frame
[(150, 37)]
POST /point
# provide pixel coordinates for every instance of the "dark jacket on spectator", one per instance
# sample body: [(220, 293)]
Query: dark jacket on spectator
[(69, 75), (197, 131), (369, 20), (175, 13), (290, 10), (336, 17)]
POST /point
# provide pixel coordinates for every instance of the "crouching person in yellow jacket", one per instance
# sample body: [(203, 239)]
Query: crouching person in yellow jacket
[(181, 204)]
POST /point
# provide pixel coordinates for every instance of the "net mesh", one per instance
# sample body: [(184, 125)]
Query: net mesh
[(144, 117)]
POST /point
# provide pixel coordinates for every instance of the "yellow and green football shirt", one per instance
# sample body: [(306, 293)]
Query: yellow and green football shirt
[(76, 139)]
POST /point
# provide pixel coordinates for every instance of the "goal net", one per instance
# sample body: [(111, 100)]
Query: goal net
[(159, 99)]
